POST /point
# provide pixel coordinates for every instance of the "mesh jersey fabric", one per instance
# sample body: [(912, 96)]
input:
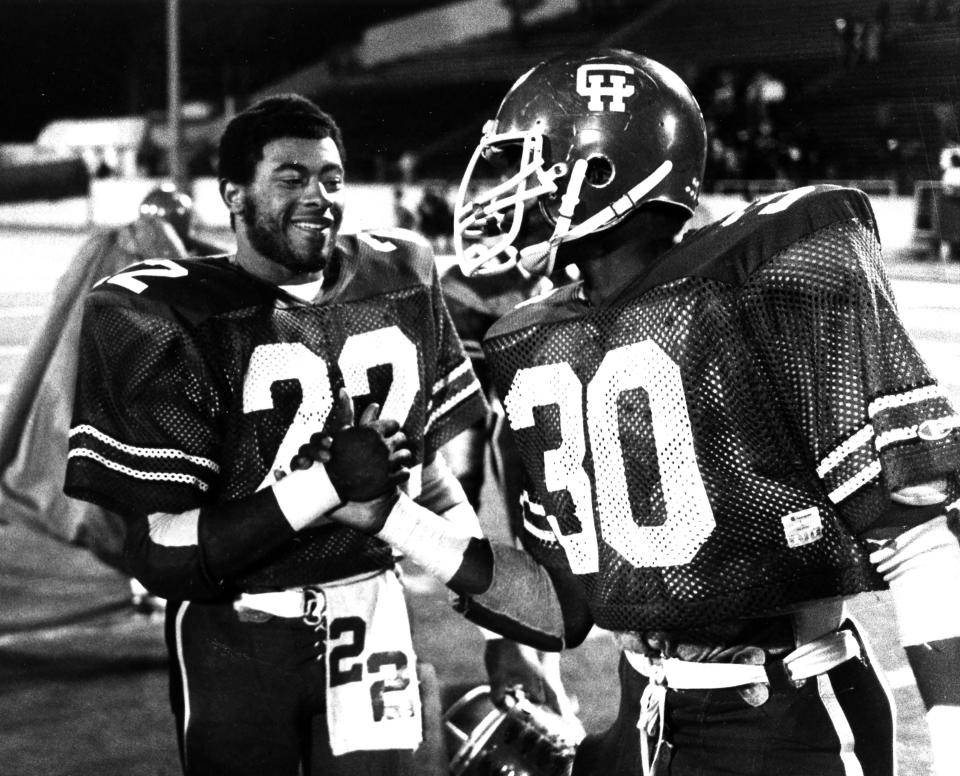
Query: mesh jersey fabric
[(477, 302), (198, 383), (711, 445)]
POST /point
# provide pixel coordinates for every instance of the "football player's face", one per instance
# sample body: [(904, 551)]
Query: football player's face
[(294, 206)]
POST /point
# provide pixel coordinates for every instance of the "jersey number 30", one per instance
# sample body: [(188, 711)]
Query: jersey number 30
[(689, 516)]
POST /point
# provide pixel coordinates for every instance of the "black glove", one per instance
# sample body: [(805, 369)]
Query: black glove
[(363, 461)]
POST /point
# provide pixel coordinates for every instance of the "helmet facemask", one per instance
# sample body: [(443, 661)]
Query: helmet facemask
[(486, 225), (598, 135), (479, 221)]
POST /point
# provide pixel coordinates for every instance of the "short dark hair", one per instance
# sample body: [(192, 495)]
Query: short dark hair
[(282, 115)]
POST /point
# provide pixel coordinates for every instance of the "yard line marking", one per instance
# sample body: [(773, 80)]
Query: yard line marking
[(25, 311), (900, 677)]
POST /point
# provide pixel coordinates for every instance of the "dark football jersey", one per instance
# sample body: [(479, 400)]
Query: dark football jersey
[(198, 383), (712, 445)]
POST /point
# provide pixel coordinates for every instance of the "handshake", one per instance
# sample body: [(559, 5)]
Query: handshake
[(366, 461)]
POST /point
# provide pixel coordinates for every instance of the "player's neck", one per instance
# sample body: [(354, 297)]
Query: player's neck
[(605, 276), (253, 262)]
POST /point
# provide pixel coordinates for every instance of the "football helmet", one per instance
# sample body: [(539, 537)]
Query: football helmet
[(525, 740), (589, 138), (172, 205)]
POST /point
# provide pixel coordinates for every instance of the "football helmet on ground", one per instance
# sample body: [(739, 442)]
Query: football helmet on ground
[(526, 739), (590, 139)]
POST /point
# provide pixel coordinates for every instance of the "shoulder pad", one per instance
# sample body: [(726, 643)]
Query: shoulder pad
[(388, 258), (731, 249), (552, 306), (193, 288)]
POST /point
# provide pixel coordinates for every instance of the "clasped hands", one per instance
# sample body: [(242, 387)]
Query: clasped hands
[(365, 460)]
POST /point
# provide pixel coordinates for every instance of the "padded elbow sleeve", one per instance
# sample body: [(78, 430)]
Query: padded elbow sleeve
[(922, 568), (520, 604), (236, 536)]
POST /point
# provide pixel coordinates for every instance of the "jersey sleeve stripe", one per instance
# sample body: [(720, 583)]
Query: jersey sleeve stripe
[(180, 477), (856, 461), (547, 537), (535, 510), (837, 456), (447, 380), (856, 482), (144, 452), (898, 400), (908, 433), (437, 413)]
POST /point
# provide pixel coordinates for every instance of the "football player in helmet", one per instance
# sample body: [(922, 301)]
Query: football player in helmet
[(724, 437), (201, 384), (167, 203)]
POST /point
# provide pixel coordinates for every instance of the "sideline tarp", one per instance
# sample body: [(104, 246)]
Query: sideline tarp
[(36, 422)]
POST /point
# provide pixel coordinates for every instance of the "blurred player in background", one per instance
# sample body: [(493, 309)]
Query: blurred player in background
[(202, 386), (475, 304), (36, 422), (175, 207), (724, 437)]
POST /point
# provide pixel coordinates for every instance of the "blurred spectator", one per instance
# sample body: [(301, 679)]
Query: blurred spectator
[(403, 215), (891, 161), (950, 203), (436, 219), (762, 93), (843, 38), (407, 163), (857, 40), (724, 100), (871, 42)]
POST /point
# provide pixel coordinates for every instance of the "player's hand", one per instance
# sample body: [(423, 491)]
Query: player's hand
[(366, 516), (365, 460), (510, 665)]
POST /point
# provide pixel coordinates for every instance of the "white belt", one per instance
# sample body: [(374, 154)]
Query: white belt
[(811, 659), (307, 603), (294, 603)]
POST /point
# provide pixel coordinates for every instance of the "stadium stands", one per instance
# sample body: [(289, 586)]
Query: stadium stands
[(885, 118)]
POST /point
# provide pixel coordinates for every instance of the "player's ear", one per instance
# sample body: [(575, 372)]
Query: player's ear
[(232, 195)]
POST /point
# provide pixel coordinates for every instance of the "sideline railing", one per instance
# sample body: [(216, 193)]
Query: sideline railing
[(757, 187)]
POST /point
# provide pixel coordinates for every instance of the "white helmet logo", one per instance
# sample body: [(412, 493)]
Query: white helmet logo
[(605, 81)]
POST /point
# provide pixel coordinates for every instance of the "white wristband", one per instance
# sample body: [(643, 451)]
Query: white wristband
[(306, 494), (435, 544)]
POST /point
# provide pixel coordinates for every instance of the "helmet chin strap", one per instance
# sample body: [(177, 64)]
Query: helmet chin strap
[(541, 257)]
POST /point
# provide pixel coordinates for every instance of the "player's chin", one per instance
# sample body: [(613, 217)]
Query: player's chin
[(314, 256)]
